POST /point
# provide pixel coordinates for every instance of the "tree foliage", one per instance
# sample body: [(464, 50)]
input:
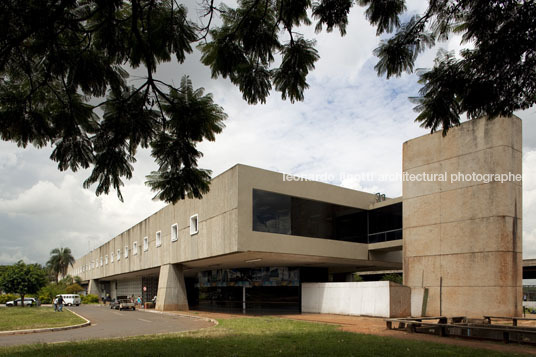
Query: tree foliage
[(59, 262), (22, 279), (64, 79), (74, 289)]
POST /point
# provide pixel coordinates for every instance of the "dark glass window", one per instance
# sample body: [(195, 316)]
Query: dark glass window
[(385, 223), (277, 213), (386, 218), (271, 212)]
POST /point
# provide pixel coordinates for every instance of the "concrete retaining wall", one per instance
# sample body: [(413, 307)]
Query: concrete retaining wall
[(377, 298)]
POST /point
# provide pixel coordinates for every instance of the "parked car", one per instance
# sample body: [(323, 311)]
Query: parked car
[(126, 304), (27, 302), (122, 303), (115, 303), (71, 299)]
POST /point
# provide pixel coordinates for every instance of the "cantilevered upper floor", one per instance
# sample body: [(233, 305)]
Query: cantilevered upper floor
[(253, 217)]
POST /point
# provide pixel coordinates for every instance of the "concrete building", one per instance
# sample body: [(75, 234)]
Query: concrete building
[(259, 237), (258, 233)]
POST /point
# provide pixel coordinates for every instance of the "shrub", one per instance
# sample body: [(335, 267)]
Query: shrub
[(7, 297), (395, 278), (89, 299)]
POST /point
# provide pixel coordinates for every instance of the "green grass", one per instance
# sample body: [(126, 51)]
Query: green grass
[(252, 337), (22, 318)]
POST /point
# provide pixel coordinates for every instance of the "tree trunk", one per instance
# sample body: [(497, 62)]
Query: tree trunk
[(22, 299)]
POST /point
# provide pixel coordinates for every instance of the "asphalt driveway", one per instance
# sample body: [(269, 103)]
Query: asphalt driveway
[(107, 323)]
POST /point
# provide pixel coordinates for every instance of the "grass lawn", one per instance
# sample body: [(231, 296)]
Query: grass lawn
[(22, 318), (253, 337)]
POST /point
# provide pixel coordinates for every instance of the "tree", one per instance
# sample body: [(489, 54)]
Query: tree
[(60, 259), (496, 77), (74, 288), (22, 279), (63, 82), (63, 78)]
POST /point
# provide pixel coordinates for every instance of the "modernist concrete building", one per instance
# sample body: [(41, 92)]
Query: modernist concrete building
[(256, 233), (257, 236)]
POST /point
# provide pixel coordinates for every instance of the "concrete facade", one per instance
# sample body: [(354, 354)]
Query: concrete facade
[(378, 298), (460, 252), (462, 239), (226, 239)]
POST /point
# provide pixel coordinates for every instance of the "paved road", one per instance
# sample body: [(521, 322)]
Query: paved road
[(107, 323)]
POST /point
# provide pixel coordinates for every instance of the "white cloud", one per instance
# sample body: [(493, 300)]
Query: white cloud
[(49, 215), (350, 124)]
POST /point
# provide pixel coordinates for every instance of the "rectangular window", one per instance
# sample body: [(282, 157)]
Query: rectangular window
[(126, 251), (145, 244), (111, 257), (105, 259), (118, 254), (158, 239), (174, 232), (101, 261), (282, 214), (135, 248), (194, 226)]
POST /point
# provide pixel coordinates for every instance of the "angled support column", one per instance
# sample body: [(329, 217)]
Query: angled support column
[(93, 288), (171, 289)]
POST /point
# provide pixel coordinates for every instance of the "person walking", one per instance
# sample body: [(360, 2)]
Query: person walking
[(138, 301), (60, 303), (56, 304)]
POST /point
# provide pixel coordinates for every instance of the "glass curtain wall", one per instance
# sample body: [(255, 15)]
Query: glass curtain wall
[(283, 214)]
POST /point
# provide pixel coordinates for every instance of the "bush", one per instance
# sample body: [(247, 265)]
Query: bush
[(7, 297), (89, 299), (395, 278)]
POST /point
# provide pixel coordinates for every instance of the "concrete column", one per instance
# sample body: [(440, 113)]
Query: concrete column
[(113, 290), (171, 289), (462, 230), (93, 288)]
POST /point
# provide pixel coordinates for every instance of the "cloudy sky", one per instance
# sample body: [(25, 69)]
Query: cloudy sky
[(351, 123)]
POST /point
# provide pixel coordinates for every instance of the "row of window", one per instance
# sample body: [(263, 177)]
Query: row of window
[(194, 229)]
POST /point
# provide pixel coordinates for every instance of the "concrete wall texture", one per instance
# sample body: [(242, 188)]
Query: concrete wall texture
[(374, 298), (462, 238)]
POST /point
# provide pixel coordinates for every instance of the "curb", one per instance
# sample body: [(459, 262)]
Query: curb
[(208, 319), (48, 329)]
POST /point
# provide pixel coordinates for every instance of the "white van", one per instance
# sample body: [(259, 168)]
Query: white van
[(71, 299)]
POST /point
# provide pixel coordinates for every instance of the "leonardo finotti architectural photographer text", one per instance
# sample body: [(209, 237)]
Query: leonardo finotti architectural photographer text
[(413, 177)]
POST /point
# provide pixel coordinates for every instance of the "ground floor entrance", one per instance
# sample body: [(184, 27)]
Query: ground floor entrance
[(254, 299), (259, 290), (251, 290)]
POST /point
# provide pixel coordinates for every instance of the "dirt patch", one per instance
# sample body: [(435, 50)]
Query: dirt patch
[(376, 326)]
